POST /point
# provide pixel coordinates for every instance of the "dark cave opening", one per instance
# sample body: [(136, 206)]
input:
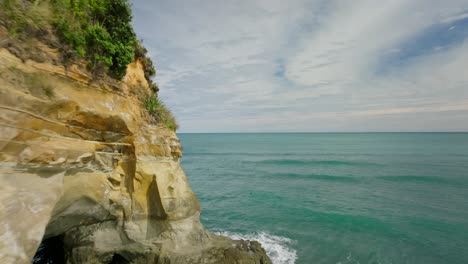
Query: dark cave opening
[(50, 251), (118, 259)]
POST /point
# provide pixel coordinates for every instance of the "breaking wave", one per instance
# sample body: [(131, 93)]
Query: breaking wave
[(279, 249)]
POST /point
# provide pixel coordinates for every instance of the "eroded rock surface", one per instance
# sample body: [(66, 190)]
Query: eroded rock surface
[(80, 161)]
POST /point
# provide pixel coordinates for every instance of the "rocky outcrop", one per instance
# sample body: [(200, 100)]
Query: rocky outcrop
[(81, 165)]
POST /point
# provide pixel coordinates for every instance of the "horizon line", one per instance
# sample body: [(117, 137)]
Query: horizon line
[(325, 132)]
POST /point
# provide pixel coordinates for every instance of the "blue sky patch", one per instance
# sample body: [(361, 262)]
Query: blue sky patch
[(436, 38)]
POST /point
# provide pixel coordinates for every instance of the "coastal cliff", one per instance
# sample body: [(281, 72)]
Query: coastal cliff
[(87, 171)]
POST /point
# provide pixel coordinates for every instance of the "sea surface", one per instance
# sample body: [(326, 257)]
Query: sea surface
[(336, 197)]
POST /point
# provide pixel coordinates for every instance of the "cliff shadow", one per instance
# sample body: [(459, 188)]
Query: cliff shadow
[(156, 212)]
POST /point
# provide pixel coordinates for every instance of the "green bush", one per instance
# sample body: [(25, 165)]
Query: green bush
[(71, 34), (100, 46), (160, 112), (154, 87), (121, 58), (98, 30), (140, 50), (149, 68), (141, 54)]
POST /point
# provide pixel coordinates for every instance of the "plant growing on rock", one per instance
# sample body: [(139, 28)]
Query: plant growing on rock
[(158, 110), (22, 16), (141, 53), (99, 31)]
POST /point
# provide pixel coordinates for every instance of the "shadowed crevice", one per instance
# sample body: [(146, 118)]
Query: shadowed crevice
[(156, 210), (51, 251), (129, 167)]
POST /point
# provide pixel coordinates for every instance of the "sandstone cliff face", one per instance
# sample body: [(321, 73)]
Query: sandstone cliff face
[(79, 161)]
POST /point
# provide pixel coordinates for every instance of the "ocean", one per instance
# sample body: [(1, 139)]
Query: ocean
[(336, 197)]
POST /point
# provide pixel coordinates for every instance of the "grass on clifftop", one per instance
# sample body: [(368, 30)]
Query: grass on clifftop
[(19, 17), (160, 112), (98, 31)]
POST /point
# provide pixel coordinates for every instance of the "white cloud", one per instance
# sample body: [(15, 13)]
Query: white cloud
[(454, 18), (307, 65)]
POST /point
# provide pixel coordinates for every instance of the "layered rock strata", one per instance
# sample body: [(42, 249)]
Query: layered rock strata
[(81, 163)]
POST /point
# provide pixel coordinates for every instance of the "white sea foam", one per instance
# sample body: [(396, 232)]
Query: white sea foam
[(279, 249)]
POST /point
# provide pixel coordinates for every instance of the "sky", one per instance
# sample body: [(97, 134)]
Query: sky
[(309, 66)]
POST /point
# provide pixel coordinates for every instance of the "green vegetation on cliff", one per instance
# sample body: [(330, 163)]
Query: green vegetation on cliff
[(100, 31), (97, 31), (24, 17), (160, 112)]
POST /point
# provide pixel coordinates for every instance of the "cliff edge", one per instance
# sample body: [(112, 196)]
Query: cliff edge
[(87, 172)]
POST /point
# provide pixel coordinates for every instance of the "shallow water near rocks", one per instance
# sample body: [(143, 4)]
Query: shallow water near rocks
[(336, 197)]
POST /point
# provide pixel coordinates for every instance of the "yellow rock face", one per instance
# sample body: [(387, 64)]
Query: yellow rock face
[(89, 149), (80, 161)]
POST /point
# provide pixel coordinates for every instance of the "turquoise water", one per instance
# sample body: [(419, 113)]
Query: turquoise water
[(336, 197)]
